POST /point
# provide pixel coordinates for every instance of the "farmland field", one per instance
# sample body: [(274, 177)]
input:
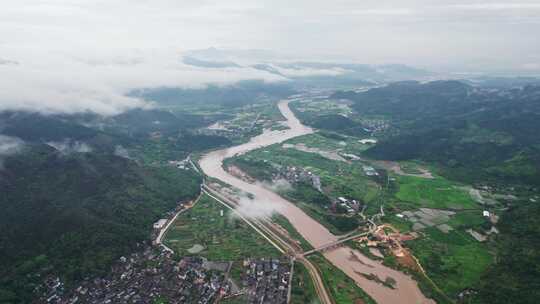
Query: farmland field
[(436, 193), (224, 238), (303, 290), (454, 261)]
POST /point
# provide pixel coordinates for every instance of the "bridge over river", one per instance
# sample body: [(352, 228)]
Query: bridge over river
[(334, 244)]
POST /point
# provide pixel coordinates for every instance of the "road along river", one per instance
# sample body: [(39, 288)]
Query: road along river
[(351, 262)]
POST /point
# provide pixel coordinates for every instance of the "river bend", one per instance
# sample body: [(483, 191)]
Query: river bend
[(351, 262)]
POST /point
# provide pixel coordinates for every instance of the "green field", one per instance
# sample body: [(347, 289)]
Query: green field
[(224, 238), (436, 193), (468, 219), (342, 288), (454, 261), (338, 178), (322, 107), (303, 290)]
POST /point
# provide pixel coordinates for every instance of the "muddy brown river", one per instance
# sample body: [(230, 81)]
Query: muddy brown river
[(351, 262)]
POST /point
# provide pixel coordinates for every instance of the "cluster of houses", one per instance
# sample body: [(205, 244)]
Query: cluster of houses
[(375, 125), (351, 206), (145, 277), (181, 164), (53, 289), (296, 174), (267, 280)]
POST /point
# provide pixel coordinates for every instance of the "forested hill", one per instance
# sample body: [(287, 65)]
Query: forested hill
[(75, 198), (242, 93), (476, 134), (133, 128), (411, 100)]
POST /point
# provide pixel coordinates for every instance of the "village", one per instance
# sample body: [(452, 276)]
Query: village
[(267, 280), (296, 174), (144, 277), (154, 274), (340, 205)]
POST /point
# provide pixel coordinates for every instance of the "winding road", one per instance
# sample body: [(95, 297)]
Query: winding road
[(350, 261)]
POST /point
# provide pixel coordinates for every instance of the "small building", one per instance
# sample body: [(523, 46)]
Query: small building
[(160, 224), (370, 171), (367, 141)]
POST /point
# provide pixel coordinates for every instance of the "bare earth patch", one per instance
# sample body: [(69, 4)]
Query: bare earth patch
[(396, 168)]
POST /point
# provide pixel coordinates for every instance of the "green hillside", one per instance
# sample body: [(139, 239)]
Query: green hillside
[(72, 215), (474, 134), (72, 204)]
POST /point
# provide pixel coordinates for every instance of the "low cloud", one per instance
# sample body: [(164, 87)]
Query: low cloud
[(7, 62), (8, 146), (121, 152), (68, 146), (496, 6), (383, 12), (307, 72), (100, 83), (257, 208), (279, 185), (128, 37), (533, 66)]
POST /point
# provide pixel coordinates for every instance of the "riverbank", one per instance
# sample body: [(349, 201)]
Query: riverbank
[(350, 261)]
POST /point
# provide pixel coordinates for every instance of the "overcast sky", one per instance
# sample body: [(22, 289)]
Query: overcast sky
[(70, 53)]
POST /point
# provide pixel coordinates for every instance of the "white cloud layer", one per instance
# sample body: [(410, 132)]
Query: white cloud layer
[(497, 6), (121, 152), (280, 185), (68, 146), (307, 72), (99, 84), (10, 145), (84, 55), (258, 208)]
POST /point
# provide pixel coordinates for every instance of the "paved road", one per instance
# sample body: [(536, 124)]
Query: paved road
[(273, 236), (161, 234)]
